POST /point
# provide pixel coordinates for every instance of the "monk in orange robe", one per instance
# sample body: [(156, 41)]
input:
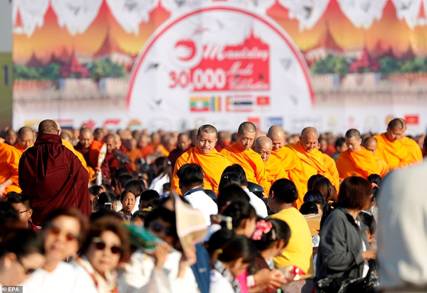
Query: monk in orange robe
[(273, 165), (95, 147), (313, 161), (25, 138), (144, 146), (358, 161), (206, 156), (241, 153), (9, 162), (395, 148), (285, 159)]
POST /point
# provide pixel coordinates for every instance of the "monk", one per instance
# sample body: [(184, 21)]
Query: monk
[(273, 171), (9, 160), (224, 140), (25, 138), (285, 161), (312, 160), (206, 156), (144, 145), (395, 148), (183, 143), (358, 161), (95, 147), (52, 175), (85, 141), (241, 153)]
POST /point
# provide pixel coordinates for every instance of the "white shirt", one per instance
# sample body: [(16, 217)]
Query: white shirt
[(66, 278), (219, 284), (257, 203), (402, 233), (158, 182), (201, 201)]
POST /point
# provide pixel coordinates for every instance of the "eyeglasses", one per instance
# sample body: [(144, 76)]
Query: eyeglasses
[(101, 245), (53, 230), (27, 271), (159, 228)]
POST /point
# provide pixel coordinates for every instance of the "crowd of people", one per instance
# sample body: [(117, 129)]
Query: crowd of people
[(85, 210)]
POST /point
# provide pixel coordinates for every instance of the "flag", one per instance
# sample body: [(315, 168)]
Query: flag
[(239, 103)]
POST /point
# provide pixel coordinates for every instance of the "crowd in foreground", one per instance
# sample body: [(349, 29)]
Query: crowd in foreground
[(208, 211)]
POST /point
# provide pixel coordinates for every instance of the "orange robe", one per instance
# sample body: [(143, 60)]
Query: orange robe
[(9, 162), (146, 151), (359, 163), (95, 148), (312, 163), (281, 164), (250, 161), (213, 164), (398, 153), (79, 155)]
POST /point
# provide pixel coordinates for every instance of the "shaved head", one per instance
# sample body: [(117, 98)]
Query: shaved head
[(25, 137), (246, 135), (207, 128), (246, 127), (48, 127), (309, 138), (207, 137), (395, 129), (277, 136), (353, 139), (263, 146)]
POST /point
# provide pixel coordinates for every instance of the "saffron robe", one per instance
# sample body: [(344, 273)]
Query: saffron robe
[(9, 161), (213, 164), (398, 153), (359, 163), (250, 161)]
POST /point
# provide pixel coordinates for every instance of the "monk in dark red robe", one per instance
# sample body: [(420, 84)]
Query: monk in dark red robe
[(52, 175)]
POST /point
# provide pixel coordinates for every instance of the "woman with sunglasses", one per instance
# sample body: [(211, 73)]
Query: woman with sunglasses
[(64, 231), (21, 253), (105, 247)]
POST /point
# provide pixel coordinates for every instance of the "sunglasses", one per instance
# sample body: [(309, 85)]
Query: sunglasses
[(56, 231), (101, 245), (159, 228)]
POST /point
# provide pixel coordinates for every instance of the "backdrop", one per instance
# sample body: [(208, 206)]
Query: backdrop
[(175, 64)]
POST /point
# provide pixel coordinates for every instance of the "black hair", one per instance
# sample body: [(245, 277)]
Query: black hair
[(123, 195), (227, 247), (339, 142), (95, 190), (309, 207), (14, 197), (138, 215), (105, 200), (190, 175), (21, 242), (233, 174), (229, 194), (377, 180), (368, 222), (149, 199), (135, 186), (325, 187), (162, 165), (164, 214), (313, 179), (316, 197), (284, 191), (279, 231), (239, 211)]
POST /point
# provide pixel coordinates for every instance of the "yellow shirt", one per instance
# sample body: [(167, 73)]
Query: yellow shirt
[(299, 251)]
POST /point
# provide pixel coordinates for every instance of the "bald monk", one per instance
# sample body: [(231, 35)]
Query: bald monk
[(52, 175), (25, 138), (182, 145), (273, 171), (312, 160), (241, 152), (285, 161), (395, 148), (206, 156), (95, 147), (9, 160), (357, 160), (84, 143)]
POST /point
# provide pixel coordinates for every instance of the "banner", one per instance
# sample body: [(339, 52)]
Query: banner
[(332, 64)]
